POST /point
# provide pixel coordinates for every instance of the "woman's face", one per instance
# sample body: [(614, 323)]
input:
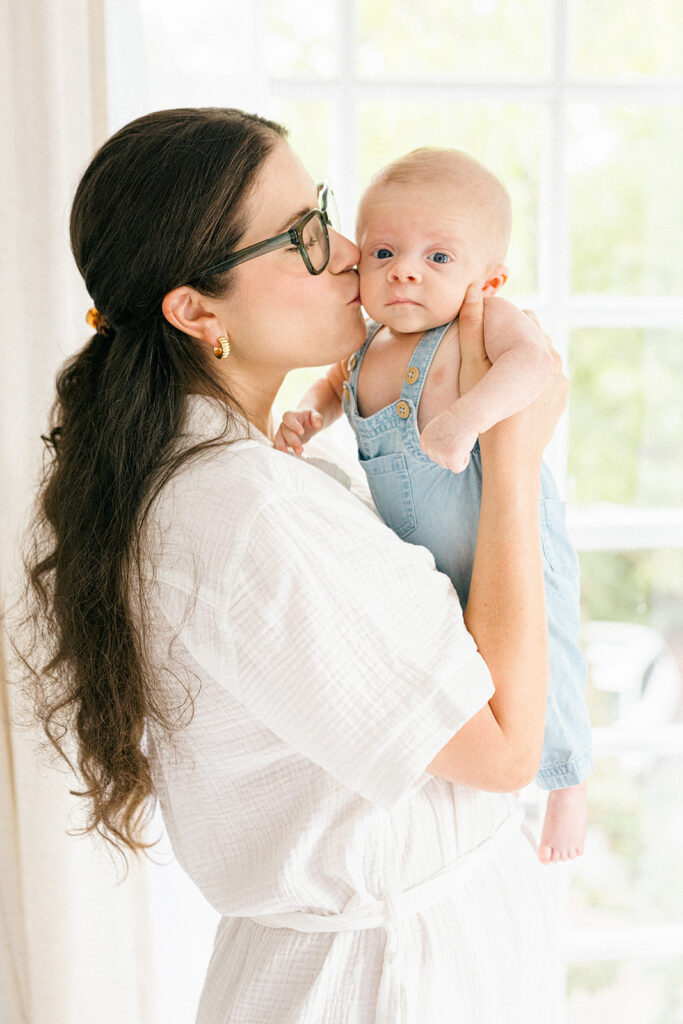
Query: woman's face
[(279, 316)]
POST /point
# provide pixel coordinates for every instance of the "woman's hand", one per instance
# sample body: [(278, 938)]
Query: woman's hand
[(520, 439), (474, 361)]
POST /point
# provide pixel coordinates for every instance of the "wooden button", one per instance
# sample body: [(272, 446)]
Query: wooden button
[(403, 409), (412, 373), (347, 393), (352, 361)]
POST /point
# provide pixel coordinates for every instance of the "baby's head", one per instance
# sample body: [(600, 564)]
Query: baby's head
[(430, 224)]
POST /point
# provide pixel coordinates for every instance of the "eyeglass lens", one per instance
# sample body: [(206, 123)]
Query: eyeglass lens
[(331, 209), (316, 242)]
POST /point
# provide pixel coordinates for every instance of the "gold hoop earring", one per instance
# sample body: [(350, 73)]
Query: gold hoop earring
[(222, 348)]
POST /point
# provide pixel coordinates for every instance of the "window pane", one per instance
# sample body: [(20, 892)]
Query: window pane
[(300, 38), (633, 41), (630, 875), (626, 207), (201, 57), (294, 387), (626, 416), (505, 137), (642, 990), (632, 636), (309, 123), (451, 40), (640, 587)]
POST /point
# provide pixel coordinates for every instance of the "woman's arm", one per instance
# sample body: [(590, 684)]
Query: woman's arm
[(499, 748)]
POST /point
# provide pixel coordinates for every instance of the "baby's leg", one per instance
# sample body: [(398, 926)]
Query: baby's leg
[(566, 760), (564, 828)]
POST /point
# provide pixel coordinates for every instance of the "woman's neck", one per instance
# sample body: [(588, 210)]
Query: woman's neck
[(254, 394)]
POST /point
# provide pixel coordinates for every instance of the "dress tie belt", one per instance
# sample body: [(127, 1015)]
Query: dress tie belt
[(389, 913)]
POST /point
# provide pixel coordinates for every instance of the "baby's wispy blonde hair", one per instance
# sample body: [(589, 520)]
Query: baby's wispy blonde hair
[(453, 169)]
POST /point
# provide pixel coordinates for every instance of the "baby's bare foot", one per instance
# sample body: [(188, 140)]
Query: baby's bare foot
[(564, 828)]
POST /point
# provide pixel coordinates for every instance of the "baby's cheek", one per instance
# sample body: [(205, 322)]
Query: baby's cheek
[(368, 295)]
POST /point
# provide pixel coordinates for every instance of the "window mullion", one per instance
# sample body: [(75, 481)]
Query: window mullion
[(345, 147), (509, 90), (260, 77), (625, 942), (610, 527), (553, 249)]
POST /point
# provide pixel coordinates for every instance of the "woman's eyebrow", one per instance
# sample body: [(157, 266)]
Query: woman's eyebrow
[(293, 219)]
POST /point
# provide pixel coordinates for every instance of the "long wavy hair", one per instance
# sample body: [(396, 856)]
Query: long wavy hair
[(163, 198)]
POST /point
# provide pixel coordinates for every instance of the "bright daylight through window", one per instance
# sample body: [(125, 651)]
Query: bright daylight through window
[(581, 113)]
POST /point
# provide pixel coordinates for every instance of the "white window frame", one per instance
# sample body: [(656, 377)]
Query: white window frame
[(594, 528)]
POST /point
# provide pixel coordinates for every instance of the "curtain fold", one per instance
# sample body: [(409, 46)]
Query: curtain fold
[(74, 947), (13, 976)]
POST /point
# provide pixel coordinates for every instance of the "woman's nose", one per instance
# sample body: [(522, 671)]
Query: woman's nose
[(344, 254)]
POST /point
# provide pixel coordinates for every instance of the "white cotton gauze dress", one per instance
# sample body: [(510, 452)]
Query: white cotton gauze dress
[(330, 663)]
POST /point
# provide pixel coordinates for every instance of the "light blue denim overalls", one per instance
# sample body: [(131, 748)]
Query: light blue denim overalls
[(428, 505)]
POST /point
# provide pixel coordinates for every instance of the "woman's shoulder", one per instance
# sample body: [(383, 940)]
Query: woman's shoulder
[(221, 495), (240, 469)]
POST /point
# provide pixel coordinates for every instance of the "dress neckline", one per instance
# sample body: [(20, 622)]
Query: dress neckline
[(205, 416)]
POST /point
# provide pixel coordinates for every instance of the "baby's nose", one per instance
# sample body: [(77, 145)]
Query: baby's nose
[(404, 269)]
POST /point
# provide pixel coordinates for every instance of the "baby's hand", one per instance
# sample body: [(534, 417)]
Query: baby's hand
[(298, 426), (448, 441)]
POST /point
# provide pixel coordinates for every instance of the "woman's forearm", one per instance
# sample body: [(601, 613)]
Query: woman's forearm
[(506, 609), (499, 748)]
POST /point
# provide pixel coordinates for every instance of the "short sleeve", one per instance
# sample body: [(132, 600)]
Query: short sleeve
[(350, 646)]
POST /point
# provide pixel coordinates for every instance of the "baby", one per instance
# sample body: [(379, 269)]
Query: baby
[(430, 224)]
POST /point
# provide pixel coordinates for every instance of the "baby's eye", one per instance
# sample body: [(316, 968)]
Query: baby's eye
[(383, 254), (439, 257)]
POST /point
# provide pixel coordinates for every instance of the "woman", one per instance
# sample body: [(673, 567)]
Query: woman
[(234, 633)]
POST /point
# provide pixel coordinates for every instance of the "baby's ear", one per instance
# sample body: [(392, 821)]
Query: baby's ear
[(495, 280)]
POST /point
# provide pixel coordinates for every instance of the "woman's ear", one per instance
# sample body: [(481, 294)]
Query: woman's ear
[(189, 311), (495, 280)]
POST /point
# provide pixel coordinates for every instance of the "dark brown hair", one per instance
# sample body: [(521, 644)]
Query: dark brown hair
[(161, 200)]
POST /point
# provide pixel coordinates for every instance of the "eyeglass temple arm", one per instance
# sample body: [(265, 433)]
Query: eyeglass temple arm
[(277, 242)]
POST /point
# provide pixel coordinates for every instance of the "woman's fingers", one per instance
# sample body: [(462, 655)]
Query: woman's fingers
[(471, 321), (474, 361)]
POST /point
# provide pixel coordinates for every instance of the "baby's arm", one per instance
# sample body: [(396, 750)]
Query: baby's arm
[(319, 407), (521, 368)]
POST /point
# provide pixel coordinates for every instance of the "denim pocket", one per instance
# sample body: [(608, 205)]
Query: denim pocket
[(391, 491), (558, 549)]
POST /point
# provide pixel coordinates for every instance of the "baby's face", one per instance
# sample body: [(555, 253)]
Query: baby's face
[(419, 253)]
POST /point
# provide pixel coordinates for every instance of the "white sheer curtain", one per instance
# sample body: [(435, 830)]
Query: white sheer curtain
[(77, 945)]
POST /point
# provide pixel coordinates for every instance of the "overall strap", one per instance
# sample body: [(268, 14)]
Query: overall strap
[(356, 359), (420, 361)]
